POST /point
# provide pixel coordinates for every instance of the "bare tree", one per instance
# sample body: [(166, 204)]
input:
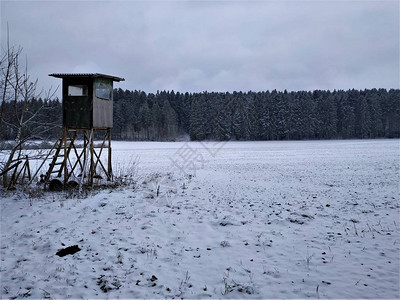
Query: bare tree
[(8, 62), (18, 90)]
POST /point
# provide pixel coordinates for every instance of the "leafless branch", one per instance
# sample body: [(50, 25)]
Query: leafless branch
[(18, 90)]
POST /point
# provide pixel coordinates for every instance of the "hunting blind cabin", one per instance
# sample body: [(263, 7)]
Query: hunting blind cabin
[(87, 104)]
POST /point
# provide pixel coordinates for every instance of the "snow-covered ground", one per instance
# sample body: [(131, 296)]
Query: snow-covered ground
[(309, 219)]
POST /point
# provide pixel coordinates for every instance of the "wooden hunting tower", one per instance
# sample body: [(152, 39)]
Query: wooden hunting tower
[(87, 100), (87, 103)]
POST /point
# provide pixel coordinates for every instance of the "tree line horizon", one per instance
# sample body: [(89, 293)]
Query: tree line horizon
[(242, 116), (269, 115)]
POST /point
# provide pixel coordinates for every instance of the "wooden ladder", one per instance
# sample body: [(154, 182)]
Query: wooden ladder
[(57, 166)]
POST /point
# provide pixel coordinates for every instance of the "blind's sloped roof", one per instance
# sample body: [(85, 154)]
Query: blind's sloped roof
[(83, 75)]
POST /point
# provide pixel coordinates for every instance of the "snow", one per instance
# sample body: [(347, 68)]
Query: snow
[(307, 219)]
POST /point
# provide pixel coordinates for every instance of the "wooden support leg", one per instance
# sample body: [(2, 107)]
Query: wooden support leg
[(92, 166), (109, 175), (65, 156)]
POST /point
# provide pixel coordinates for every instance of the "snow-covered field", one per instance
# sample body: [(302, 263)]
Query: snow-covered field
[(309, 219)]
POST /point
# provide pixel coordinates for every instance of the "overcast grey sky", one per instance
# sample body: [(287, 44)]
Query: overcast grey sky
[(211, 45)]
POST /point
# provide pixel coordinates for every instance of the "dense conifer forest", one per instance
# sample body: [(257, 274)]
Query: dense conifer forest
[(270, 115), (266, 115)]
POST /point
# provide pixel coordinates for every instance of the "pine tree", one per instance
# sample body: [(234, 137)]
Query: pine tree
[(196, 128)]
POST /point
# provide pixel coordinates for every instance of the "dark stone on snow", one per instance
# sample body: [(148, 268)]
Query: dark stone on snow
[(56, 185), (72, 184), (69, 250)]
